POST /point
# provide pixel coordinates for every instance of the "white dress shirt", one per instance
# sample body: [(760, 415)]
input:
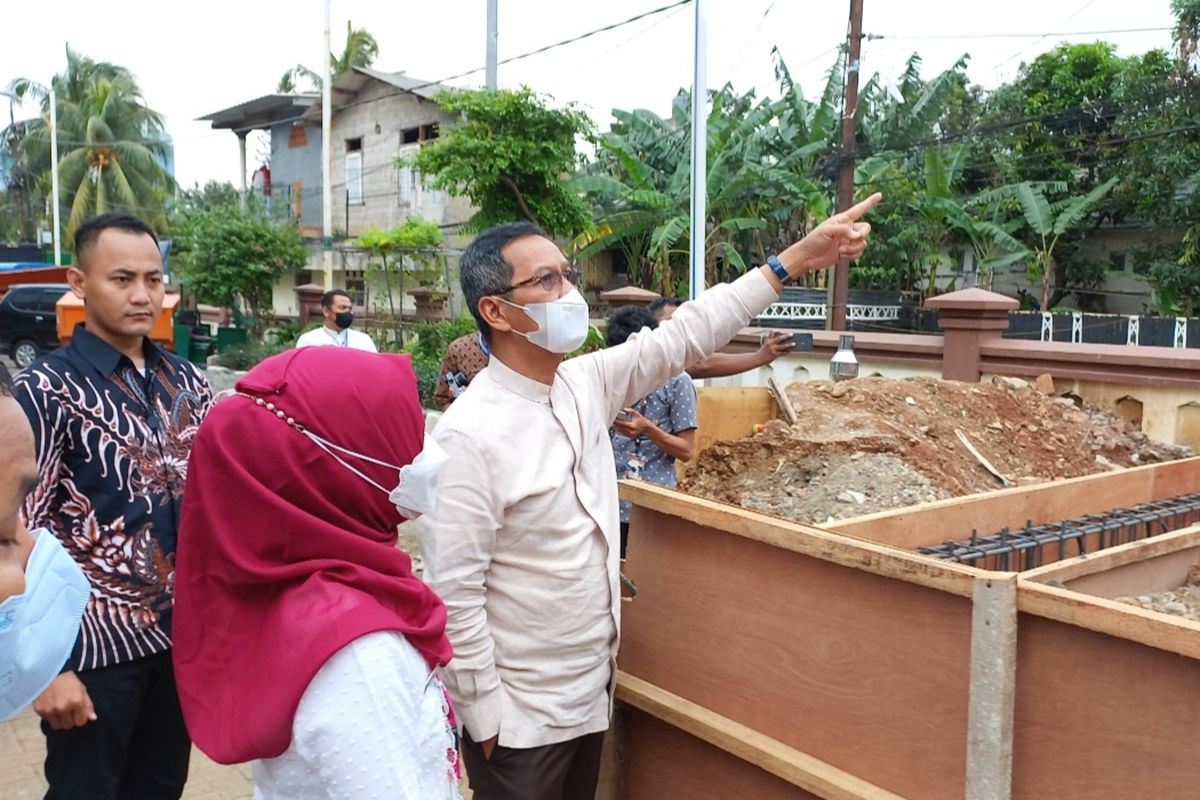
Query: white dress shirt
[(328, 337)]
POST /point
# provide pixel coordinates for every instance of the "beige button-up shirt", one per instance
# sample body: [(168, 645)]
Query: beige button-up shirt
[(523, 546)]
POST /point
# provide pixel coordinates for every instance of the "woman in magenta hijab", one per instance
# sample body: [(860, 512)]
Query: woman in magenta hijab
[(302, 640)]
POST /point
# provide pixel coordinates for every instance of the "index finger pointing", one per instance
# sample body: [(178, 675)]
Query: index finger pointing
[(855, 212)]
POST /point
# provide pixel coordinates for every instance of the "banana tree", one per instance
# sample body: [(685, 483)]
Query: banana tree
[(1046, 221), (757, 185)]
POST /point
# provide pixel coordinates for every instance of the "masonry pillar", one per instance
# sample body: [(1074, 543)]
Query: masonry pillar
[(308, 302), (969, 318)]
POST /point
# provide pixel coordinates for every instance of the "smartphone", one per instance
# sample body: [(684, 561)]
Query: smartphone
[(802, 341), (623, 414)]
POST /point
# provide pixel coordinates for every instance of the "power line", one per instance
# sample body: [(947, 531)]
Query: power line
[(562, 43), (413, 89)]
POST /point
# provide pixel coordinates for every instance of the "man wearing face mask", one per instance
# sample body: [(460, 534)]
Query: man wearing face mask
[(42, 589), (338, 312), (523, 545)]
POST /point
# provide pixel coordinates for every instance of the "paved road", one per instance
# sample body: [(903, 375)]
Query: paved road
[(23, 748)]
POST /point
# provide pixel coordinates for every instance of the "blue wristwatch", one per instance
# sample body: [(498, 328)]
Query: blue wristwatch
[(777, 268)]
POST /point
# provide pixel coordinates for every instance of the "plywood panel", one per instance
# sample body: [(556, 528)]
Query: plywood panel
[(730, 412), (1100, 717), (1151, 565), (934, 523), (663, 763), (1159, 574), (862, 671)]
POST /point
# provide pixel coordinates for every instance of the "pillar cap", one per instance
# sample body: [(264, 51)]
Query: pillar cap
[(630, 295), (972, 300)]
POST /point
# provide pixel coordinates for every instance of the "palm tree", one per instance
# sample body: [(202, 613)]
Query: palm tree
[(361, 50), (111, 147)]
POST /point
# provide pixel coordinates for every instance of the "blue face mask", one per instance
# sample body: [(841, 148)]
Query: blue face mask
[(38, 627)]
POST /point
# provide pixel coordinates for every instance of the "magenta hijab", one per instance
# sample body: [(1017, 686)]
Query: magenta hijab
[(285, 556)]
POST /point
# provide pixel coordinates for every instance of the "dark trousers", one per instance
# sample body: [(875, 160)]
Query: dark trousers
[(562, 771), (138, 747)]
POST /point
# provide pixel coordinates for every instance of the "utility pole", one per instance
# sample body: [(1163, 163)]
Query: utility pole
[(699, 211), (54, 176), (492, 14), (326, 164), (839, 286)]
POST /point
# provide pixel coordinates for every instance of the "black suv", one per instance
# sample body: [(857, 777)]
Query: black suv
[(28, 324)]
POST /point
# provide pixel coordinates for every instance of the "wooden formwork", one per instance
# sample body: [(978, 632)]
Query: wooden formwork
[(765, 658)]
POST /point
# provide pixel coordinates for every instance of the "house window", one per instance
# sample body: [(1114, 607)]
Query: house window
[(421, 133), (354, 281), (354, 171), (297, 136), (408, 178), (1116, 262)]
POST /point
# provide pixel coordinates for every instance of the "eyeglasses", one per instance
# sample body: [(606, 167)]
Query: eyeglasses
[(550, 281)]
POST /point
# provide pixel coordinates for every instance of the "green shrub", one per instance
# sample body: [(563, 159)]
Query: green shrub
[(428, 349)]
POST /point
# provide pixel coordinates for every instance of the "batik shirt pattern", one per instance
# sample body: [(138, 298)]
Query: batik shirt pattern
[(112, 451)]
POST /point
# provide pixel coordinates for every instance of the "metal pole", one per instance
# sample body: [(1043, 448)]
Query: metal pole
[(839, 286), (242, 161), (326, 163), (54, 176), (492, 15), (699, 212)]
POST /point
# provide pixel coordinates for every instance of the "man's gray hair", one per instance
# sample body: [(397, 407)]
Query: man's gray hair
[(483, 271)]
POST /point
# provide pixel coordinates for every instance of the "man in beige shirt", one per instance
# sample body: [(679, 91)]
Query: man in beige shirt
[(523, 546)]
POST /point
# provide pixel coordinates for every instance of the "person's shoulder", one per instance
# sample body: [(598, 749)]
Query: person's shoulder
[(314, 337), (49, 371), (360, 339), (682, 383), (471, 410)]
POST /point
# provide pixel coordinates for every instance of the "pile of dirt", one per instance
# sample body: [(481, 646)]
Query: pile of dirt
[(1182, 602), (874, 444)]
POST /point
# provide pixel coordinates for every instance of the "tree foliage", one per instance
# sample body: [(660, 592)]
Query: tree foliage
[(360, 50), (510, 153), (231, 258), (111, 144)]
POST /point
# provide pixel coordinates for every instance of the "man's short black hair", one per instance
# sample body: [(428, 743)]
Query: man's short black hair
[(327, 298), (662, 302), (626, 321), (6, 383), (88, 232), (483, 271)]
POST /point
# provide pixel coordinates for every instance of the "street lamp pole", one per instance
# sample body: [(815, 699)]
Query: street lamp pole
[(326, 165), (54, 176), (699, 149)]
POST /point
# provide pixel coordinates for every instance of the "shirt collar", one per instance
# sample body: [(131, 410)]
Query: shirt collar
[(517, 383), (106, 358)]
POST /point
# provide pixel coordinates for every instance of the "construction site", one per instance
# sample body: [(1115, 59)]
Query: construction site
[(945, 578)]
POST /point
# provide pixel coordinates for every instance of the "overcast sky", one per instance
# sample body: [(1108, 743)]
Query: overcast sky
[(193, 58)]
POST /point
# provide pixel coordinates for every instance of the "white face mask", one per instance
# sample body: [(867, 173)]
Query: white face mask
[(562, 324), (416, 489), (38, 627)]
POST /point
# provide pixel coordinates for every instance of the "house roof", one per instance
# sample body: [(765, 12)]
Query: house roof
[(350, 83), (263, 112)]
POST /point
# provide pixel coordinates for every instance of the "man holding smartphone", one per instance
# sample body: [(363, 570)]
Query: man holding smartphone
[(659, 429)]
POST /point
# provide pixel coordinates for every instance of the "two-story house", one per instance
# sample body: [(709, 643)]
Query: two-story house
[(377, 119)]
